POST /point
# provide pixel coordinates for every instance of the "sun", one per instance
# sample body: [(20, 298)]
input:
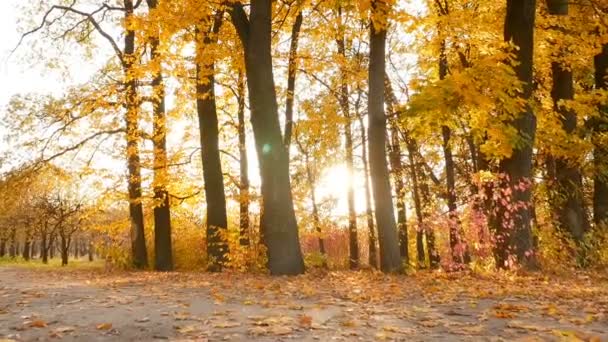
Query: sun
[(333, 184)]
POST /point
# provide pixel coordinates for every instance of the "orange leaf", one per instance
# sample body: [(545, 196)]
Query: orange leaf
[(38, 324), (104, 326)]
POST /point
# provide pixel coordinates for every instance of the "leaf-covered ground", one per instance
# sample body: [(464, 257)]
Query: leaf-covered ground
[(91, 305)]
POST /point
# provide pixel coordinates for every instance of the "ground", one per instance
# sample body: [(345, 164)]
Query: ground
[(91, 304)]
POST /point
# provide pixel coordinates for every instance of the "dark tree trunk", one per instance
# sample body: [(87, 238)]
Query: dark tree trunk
[(313, 199), (600, 153), (52, 247), (353, 241), (243, 167), (2, 247), (65, 250), (420, 231), (76, 248), (12, 250), (373, 252), (397, 170), (569, 203), (514, 232), (162, 210), (460, 252), (217, 221), (90, 250), (44, 249), (390, 259), (26, 250), (434, 258), (136, 215), (278, 223), (291, 80)]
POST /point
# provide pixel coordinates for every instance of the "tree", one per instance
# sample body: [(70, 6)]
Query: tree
[(217, 221), (568, 201), (514, 234), (390, 260), (600, 153), (278, 224)]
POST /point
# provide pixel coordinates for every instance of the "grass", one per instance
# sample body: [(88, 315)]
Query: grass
[(54, 263)]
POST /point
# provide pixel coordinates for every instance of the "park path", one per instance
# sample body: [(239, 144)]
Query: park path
[(92, 305)]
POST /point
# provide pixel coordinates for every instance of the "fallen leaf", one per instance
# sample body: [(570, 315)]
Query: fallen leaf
[(305, 321), (104, 326), (37, 324)]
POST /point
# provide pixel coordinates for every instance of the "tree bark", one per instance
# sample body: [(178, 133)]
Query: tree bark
[(90, 250), (243, 167), (600, 153), (459, 250), (26, 250), (2, 247), (373, 257), (390, 259), (291, 80), (514, 233), (12, 250), (397, 170), (65, 249), (162, 211), (217, 221), (420, 230), (278, 224), (569, 203), (138, 239)]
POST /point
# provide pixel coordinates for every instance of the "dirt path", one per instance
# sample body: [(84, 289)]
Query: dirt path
[(94, 306)]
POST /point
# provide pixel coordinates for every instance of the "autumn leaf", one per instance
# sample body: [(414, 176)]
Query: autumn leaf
[(37, 324), (104, 326), (305, 321)]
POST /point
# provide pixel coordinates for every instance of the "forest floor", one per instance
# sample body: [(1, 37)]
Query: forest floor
[(89, 304)]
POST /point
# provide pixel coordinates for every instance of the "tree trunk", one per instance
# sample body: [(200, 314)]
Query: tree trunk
[(569, 204), (291, 80), (420, 231), (514, 232), (278, 224), (600, 154), (2, 247), (373, 257), (52, 247), (76, 248), (162, 211), (138, 239), (12, 250), (459, 250), (353, 241), (65, 249), (90, 250), (390, 259), (44, 249), (397, 170), (217, 221), (434, 258), (26, 249), (243, 167), (313, 199)]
